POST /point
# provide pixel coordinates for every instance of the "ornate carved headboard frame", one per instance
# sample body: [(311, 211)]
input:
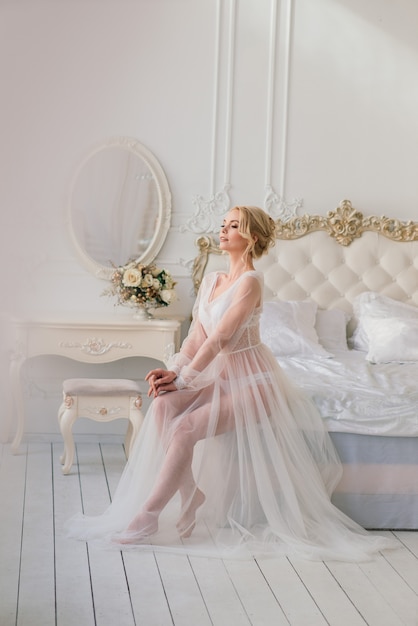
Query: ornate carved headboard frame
[(207, 246), (378, 266), (345, 224)]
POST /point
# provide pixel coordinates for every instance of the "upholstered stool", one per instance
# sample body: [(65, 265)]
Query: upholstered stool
[(102, 400)]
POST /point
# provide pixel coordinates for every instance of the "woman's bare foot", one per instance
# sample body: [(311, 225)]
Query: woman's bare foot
[(142, 526), (187, 521)]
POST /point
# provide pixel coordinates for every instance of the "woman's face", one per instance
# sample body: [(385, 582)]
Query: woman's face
[(230, 239)]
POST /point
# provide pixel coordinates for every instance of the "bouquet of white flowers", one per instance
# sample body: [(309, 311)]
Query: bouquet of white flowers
[(141, 285)]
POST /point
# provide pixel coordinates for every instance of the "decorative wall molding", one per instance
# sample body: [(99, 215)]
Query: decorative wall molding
[(230, 92), (286, 42), (205, 218), (271, 92), (207, 211), (277, 101), (278, 208), (217, 53)]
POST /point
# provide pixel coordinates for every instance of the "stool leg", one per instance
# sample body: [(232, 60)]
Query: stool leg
[(135, 422), (61, 411), (128, 439), (67, 419)]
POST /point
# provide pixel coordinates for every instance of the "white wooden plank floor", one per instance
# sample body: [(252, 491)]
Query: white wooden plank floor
[(47, 579)]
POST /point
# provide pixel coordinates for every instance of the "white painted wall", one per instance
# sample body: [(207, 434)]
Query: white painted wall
[(314, 100)]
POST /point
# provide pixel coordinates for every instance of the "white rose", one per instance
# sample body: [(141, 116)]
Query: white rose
[(156, 284), (131, 278), (168, 295), (147, 280), (169, 283)]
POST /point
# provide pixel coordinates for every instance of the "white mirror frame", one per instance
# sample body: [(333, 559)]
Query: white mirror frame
[(164, 216)]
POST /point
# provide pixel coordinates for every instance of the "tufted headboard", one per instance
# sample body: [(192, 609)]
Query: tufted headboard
[(331, 259)]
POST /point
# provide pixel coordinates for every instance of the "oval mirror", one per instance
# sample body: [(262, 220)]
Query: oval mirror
[(120, 206)]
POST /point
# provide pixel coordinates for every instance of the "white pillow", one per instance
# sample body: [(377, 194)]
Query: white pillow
[(373, 304), (393, 339), (331, 328), (288, 328)]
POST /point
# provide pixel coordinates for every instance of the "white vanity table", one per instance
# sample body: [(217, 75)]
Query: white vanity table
[(97, 339), (120, 209)]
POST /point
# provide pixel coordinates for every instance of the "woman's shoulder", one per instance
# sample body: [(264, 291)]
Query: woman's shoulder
[(251, 279), (256, 273), (251, 274), (210, 277), (208, 281)]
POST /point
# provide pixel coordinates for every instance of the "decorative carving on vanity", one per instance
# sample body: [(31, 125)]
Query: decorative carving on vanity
[(96, 346)]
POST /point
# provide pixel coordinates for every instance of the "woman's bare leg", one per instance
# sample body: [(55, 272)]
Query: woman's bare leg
[(191, 499), (176, 474), (178, 458)]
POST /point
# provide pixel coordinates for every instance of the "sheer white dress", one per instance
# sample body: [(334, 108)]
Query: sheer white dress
[(260, 451)]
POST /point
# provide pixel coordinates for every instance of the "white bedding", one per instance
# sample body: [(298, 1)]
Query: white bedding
[(371, 410), (356, 396)]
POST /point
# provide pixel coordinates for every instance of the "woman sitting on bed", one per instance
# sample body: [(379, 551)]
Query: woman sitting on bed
[(230, 450)]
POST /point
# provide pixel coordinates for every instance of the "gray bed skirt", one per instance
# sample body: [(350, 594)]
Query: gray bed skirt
[(379, 488)]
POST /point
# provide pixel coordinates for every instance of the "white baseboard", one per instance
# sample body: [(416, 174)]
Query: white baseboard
[(78, 438)]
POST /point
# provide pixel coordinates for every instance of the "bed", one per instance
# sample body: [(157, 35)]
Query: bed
[(341, 316)]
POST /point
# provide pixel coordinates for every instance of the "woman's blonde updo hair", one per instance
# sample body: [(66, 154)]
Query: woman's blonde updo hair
[(258, 228)]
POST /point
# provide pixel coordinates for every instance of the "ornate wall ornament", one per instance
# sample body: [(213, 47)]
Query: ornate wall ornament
[(208, 213), (278, 208), (345, 224)]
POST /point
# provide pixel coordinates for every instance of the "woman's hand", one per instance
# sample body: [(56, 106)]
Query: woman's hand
[(160, 380)]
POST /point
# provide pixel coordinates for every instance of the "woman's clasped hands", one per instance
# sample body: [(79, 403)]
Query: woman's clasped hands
[(160, 380)]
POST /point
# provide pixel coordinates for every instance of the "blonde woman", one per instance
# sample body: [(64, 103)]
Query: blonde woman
[(232, 459)]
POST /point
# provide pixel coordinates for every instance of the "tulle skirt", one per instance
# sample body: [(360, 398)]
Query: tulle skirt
[(260, 454)]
